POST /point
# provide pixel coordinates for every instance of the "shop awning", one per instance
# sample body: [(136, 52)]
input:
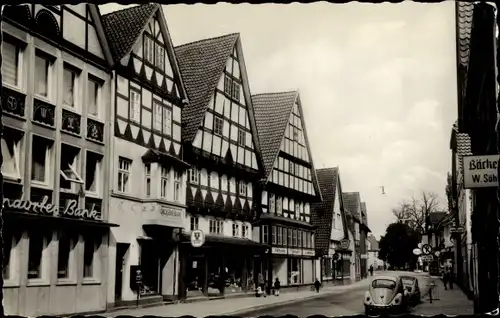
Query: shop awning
[(152, 155), (214, 240)]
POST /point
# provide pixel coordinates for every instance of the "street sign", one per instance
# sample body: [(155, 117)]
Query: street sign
[(417, 251), (480, 171), (197, 238), (344, 244), (426, 249), (457, 230), (427, 258)]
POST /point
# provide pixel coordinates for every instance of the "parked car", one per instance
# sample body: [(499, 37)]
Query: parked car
[(386, 295), (411, 285)]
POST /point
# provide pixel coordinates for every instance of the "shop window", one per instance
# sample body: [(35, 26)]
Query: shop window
[(135, 106), (273, 234), (194, 175), (65, 251), (164, 182), (271, 203), (218, 125), (241, 137), (279, 206), (167, 121), (94, 93), (12, 57), (265, 234), (11, 149), (195, 221), (236, 232), (294, 271), (280, 236), (37, 245), (41, 150), (242, 188), (93, 168), (89, 251), (69, 166), (123, 174), (149, 49), (43, 76), (177, 185), (147, 179), (70, 85), (216, 227)]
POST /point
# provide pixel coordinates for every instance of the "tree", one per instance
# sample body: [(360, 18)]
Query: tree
[(396, 246), (413, 212)]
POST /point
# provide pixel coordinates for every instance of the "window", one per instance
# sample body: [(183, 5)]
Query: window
[(135, 106), (280, 236), (289, 232), (295, 134), (69, 87), (64, 254), (273, 234), (227, 85), (158, 108), (265, 234), (93, 97), (123, 174), (90, 247), (279, 206), (164, 182), (11, 155), (195, 221), (69, 166), (244, 231), (242, 188), (299, 238), (218, 125), (294, 238), (216, 226), (177, 185), (40, 160), (236, 91), (271, 203), (11, 66), (147, 173), (167, 121), (160, 57), (236, 231), (241, 137), (93, 172), (37, 244), (149, 49), (194, 175), (42, 76)]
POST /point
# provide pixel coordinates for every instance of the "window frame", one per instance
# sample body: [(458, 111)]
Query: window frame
[(164, 177), (149, 49), (218, 125), (194, 172), (17, 147), (42, 266), (19, 64), (76, 78), (98, 98), (71, 261), (177, 185), (160, 56), (167, 121), (124, 187), (236, 230), (98, 173), (147, 179), (265, 234), (135, 106), (242, 137), (242, 188), (194, 223), (73, 169), (158, 115), (95, 275), (49, 75), (48, 162)]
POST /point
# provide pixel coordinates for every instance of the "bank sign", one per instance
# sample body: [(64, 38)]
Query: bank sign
[(480, 171)]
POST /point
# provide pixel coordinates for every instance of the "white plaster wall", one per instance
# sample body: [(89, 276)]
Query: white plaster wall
[(338, 230)]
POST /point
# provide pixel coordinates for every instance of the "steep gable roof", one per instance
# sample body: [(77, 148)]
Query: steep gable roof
[(201, 64), (322, 213), (124, 27)]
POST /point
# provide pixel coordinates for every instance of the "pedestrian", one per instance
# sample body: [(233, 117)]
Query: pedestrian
[(317, 285), (450, 277), (445, 278), (371, 270), (262, 284), (277, 286)]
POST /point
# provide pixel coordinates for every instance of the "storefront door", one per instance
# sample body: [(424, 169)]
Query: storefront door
[(150, 264), (195, 276)]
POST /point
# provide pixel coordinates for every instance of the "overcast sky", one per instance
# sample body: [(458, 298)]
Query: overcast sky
[(377, 83)]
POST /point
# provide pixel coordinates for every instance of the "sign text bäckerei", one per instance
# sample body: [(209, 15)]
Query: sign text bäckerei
[(44, 207), (480, 171)]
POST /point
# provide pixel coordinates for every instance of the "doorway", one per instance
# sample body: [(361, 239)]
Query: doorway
[(121, 250)]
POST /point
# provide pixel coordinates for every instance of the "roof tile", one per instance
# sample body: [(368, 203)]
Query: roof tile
[(464, 20)]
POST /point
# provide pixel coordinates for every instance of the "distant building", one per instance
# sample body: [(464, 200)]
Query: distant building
[(373, 250)]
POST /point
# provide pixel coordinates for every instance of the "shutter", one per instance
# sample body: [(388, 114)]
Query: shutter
[(9, 63)]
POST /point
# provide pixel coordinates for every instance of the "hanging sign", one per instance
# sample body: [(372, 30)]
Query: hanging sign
[(480, 171), (46, 208), (197, 238), (344, 244)]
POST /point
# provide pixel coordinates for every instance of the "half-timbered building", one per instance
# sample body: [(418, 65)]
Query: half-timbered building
[(289, 189), (220, 142), (56, 84), (330, 218), (148, 176)]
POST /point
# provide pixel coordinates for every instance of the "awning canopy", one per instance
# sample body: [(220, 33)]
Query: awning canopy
[(152, 155)]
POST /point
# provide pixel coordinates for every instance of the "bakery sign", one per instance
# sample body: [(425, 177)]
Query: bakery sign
[(45, 208)]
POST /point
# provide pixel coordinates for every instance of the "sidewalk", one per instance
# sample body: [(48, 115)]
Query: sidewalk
[(447, 302), (235, 306)]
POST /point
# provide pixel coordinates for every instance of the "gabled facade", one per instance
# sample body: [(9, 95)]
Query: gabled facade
[(55, 146), (364, 230), (149, 174), (352, 201), (373, 249), (220, 142), (288, 189), (330, 219)]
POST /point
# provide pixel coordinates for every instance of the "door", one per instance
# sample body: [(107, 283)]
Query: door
[(121, 250)]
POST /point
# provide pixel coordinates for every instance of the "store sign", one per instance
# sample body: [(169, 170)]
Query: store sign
[(279, 250), (294, 251), (480, 171), (308, 253), (44, 207), (163, 215), (197, 238), (169, 212)]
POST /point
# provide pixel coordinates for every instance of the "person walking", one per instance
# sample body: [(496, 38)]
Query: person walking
[(445, 278), (371, 270), (450, 277), (277, 286), (317, 285)]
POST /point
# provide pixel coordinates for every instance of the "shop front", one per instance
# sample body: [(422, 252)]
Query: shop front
[(293, 266), (144, 250), (55, 255), (221, 266)]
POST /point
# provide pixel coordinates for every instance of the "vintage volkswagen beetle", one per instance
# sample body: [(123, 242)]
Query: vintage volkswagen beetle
[(385, 295)]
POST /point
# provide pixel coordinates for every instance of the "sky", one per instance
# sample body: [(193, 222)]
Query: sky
[(377, 84)]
